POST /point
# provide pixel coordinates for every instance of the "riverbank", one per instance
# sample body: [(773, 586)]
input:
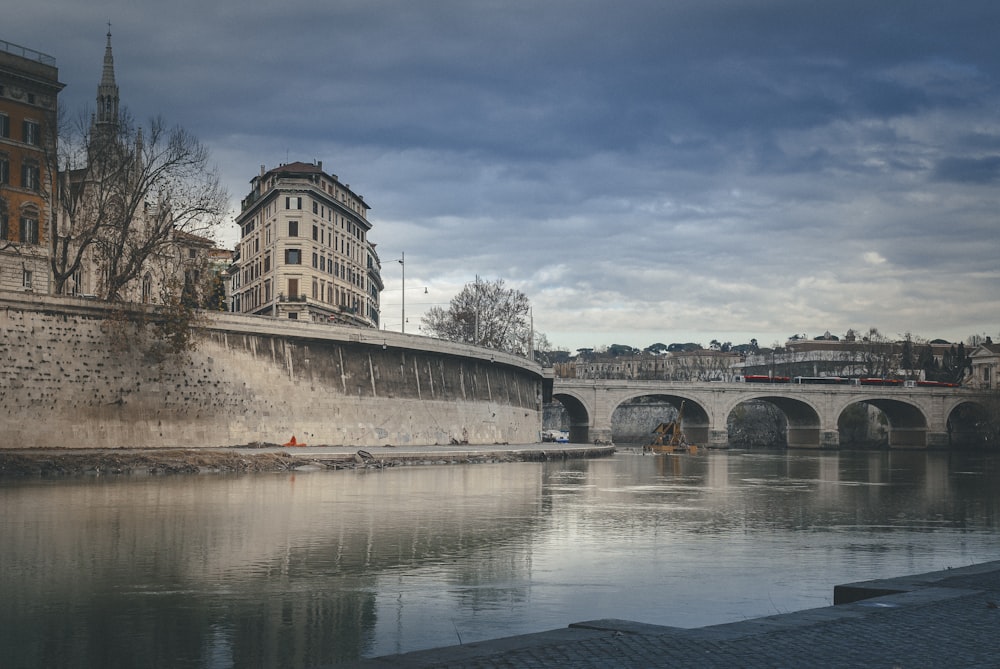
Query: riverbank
[(29, 463)]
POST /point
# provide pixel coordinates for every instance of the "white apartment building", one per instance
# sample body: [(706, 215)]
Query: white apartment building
[(304, 251)]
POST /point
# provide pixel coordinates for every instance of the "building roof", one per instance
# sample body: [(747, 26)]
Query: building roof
[(312, 168), (986, 351), (308, 168)]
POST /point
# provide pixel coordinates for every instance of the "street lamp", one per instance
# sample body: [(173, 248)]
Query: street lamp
[(402, 268)]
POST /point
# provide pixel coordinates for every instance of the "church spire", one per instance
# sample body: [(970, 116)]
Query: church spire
[(107, 90)]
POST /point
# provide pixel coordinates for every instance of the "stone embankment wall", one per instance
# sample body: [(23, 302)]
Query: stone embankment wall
[(74, 374)]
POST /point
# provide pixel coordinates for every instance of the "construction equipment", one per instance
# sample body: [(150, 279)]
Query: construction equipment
[(670, 437)]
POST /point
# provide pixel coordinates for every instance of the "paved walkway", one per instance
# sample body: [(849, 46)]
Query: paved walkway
[(941, 619)]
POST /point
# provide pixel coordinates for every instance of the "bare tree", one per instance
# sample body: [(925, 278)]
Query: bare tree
[(124, 193), (484, 313), (76, 199), (876, 355)]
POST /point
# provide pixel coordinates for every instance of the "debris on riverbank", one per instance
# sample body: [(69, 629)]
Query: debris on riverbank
[(30, 463), (26, 463)]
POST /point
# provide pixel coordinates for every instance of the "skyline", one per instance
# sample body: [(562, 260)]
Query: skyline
[(644, 172)]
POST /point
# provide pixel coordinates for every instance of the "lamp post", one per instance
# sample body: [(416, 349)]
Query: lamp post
[(402, 268)]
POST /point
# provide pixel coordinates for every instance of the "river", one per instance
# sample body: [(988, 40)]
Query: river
[(315, 568)]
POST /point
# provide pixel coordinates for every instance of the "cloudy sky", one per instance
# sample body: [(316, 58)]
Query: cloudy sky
[(644, 171)]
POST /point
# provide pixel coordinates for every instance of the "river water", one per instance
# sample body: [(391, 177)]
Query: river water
[(315, 568)]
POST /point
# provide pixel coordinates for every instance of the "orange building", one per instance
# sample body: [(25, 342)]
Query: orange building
[(29, 88)]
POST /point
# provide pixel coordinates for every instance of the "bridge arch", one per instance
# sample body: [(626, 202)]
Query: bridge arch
[(968, 425), (804, 425), (696, 422), (580, 418), (908, 424)]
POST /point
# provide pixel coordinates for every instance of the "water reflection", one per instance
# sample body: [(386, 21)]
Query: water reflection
[(318, 568)]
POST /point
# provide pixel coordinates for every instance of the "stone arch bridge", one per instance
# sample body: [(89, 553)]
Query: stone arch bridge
[(918, 417)]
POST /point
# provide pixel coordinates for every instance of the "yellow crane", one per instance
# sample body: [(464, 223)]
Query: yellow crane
[(670, 437)]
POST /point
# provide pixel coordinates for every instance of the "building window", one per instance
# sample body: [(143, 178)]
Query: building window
[(267, 263), (315, 260), (29, 230), (26, 276), (293, 289), (4, 230), (293, 228), (293, 203), (29, 176), (4, 170), (315, 234), (32, 133), (293, 256), (147, 288), (4, 126)]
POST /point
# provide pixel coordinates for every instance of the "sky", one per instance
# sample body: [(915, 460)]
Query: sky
[(644, 171)]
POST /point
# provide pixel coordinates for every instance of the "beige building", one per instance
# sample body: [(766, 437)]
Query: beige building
[(304, 251), (985, 367), (29, 88), (700, 365)]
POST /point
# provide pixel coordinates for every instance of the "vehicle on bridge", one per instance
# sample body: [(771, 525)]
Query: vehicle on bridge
[(823, 380), (846, 381)]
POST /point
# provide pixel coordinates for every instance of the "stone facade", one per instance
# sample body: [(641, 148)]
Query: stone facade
[(304, 252), (985, 367), (77, 374)]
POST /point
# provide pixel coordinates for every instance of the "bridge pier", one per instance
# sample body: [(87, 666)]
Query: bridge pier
[(938, 439), (829, 439), (718, 438), (597, 435)]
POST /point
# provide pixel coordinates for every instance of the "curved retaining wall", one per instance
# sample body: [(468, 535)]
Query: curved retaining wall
[(72, 375)]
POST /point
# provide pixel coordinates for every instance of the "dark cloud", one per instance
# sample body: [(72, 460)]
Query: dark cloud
[(985, 170), (644, 171)]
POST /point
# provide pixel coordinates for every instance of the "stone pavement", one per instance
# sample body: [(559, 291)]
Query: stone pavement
[(940, 619)]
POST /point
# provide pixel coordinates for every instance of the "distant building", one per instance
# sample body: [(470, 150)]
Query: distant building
[(985, 367), (29, 88), (698, 365), (304, 251)]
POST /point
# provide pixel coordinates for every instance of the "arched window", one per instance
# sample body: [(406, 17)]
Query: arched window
[(147, 288)]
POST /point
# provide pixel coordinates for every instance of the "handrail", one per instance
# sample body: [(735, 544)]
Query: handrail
[(25, 52)]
